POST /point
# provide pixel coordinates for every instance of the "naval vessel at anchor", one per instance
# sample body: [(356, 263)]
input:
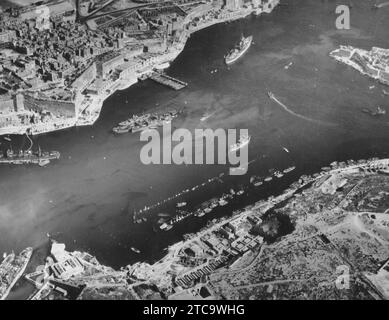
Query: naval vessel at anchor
[(239, 50)]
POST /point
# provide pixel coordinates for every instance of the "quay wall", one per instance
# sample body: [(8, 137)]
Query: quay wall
[(65, 109)]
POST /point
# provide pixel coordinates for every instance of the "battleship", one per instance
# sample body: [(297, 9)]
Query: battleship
[(239, 50), (243, 141), (144, 122)]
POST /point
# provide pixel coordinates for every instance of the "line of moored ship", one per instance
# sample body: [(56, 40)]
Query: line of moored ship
[(208, 206)]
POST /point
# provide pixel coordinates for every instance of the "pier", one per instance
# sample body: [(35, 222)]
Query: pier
[(166, 80)]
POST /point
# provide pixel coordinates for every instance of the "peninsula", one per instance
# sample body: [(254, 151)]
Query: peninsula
[(59, 60), (374, 63), (330, 226)]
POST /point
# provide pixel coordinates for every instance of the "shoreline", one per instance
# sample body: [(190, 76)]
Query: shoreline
[(95, 105), (157, 273)]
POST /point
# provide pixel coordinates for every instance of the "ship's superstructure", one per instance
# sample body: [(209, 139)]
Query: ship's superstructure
[(240, 49)]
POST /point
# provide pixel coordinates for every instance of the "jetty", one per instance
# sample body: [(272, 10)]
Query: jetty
[(168, 81)]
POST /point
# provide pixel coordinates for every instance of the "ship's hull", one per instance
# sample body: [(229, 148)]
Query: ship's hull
[(30, 159), (236, 148), (230, 60)]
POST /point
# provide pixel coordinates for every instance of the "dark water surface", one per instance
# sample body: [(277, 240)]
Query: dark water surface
[(84, 199)]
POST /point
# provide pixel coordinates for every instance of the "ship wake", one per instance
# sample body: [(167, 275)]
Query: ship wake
[(324, 123)]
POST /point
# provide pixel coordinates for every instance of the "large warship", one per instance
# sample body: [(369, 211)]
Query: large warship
[(239, 50), (144, 122)]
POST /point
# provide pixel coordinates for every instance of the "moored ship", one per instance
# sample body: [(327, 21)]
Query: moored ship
[(239, 50), (29, 157), (289, 169)]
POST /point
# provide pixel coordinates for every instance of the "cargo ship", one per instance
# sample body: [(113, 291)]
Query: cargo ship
[(243, 141), (239, 50), (28, 157)]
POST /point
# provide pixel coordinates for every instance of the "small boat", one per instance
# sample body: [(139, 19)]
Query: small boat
[(278, 174), (258, 183), (181, 204), (133, 249), (163, 226), (223, 202), (163, 66), (163, 215), (208, 210), (169, 226), (268, 179), (289, 169), (43, 163), (240, 192), (205, 117), (7, 139), (244, 141), (286, 150), (288, 65)]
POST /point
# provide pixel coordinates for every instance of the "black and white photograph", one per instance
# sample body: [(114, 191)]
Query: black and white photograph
[(205, 152)]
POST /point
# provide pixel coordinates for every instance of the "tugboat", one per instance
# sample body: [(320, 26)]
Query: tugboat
[(239, 50)]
